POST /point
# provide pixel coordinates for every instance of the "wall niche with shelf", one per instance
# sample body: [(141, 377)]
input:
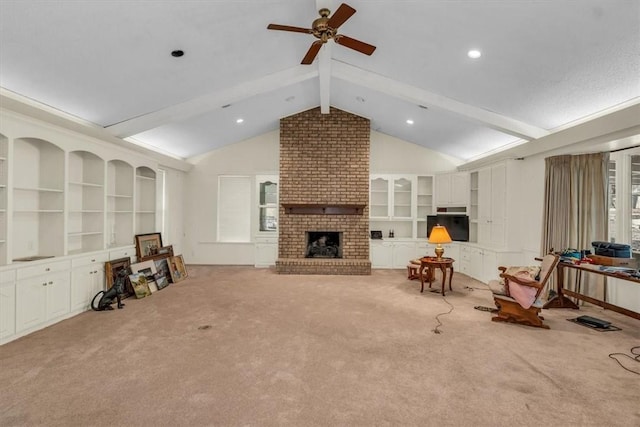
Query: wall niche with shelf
[(86, 199), (38, 199), (119, 203), (145, 200)]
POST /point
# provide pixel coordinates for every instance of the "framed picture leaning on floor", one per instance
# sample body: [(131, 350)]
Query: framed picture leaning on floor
[(148, 245), (177, 268)]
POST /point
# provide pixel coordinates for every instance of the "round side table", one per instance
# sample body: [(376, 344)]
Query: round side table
[(433, 263)]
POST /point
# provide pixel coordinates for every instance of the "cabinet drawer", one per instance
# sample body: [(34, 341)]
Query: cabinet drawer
[(123, 253), (88, 260), (37, 270), (7, 276)]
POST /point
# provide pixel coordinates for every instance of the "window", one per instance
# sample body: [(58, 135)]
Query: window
[(267, 203), (624, 198), (635, 203), (234, 209), (612, 201)]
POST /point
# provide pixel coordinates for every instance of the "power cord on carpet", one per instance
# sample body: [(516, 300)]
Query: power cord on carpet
[(636, 358), (436, 330)]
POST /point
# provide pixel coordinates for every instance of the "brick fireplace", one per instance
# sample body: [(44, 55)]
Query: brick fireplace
[(324, 190)]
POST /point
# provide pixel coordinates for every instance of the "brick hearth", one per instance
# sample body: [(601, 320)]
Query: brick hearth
[(324, 161)]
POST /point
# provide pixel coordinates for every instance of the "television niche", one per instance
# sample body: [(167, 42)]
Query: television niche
[(456, 225)]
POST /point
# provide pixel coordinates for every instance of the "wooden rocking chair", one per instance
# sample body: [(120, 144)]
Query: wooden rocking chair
[(517, 297)]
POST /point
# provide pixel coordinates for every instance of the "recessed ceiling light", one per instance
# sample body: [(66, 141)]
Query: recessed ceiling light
[(226, 106), (474, 54), (359, 99), (424, 107), (409, 121), (177, 53), (239, 120)]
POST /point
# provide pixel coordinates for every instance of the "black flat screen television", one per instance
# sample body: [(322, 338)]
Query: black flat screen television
[(456, 225)]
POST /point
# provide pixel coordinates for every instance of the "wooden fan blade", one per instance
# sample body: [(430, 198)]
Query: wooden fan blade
[(354, 44), (311, 53), (343, 13), (289, 28)]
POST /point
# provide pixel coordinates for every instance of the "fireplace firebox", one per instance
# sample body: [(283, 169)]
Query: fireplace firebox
[(324, 244)]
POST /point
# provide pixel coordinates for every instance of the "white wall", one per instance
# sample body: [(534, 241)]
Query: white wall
[(620, 293), (260, 156), (393, 155), (255, 156)]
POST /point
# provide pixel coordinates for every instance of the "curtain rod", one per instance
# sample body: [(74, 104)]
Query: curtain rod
[(622, 149)]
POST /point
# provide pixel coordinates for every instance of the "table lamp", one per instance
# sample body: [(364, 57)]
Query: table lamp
[(439, 235)]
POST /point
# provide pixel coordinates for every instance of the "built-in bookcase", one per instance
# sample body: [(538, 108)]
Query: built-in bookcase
[(119, 203), (38, 199), (4, 167), (86, 200), (145, 200)]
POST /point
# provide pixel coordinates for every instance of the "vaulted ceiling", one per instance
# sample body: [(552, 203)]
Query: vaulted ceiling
[(544, 66)]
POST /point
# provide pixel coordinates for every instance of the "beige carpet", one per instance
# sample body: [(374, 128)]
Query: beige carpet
[(238, 346)]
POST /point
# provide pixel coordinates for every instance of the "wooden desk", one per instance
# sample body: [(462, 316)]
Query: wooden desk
[(561, 300), (431, 263)]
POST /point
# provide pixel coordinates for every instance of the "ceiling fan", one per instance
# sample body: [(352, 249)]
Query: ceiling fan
[(325, 28)]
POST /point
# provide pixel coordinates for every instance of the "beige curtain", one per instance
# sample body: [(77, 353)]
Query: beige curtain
[(575, 208)]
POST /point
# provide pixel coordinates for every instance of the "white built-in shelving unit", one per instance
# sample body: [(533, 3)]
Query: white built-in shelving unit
[(145, 200), (4, 167), (424, 203), (399, 205), (86, 201), (68, 203), (38, 199), (119, 203)]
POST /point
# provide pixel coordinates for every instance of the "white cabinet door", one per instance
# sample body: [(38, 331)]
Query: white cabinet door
[(489, 266), (86, 282), (58, 295), (379, 197), (459, 189), (492, 184), (31, 302), (381, 254), (452, 189), (80, 287), (403, 252), (443, 189), (41, 298), (7, 309), (476, 268), (266, 254)]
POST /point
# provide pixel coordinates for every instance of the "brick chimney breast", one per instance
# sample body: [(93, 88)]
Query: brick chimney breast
[(324, 163)]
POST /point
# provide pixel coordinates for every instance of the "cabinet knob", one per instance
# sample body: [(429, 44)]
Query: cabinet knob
[(47, 269), (95, 272), (93, 260), (51, 283), (44, 284)]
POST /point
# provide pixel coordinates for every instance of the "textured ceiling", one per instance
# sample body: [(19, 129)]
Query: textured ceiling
[(544, 65)]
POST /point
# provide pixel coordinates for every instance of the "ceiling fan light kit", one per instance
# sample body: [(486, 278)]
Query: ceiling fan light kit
[(324, 29)]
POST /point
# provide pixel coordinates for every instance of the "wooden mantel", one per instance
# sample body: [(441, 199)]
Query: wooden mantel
[(309, 209)]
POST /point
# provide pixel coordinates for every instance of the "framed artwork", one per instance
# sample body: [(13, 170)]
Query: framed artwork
[(111, 270), (140, 285), (147, 245), (162, 267), (161, 280), (148, 268), (177, 268), (166, 250)]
